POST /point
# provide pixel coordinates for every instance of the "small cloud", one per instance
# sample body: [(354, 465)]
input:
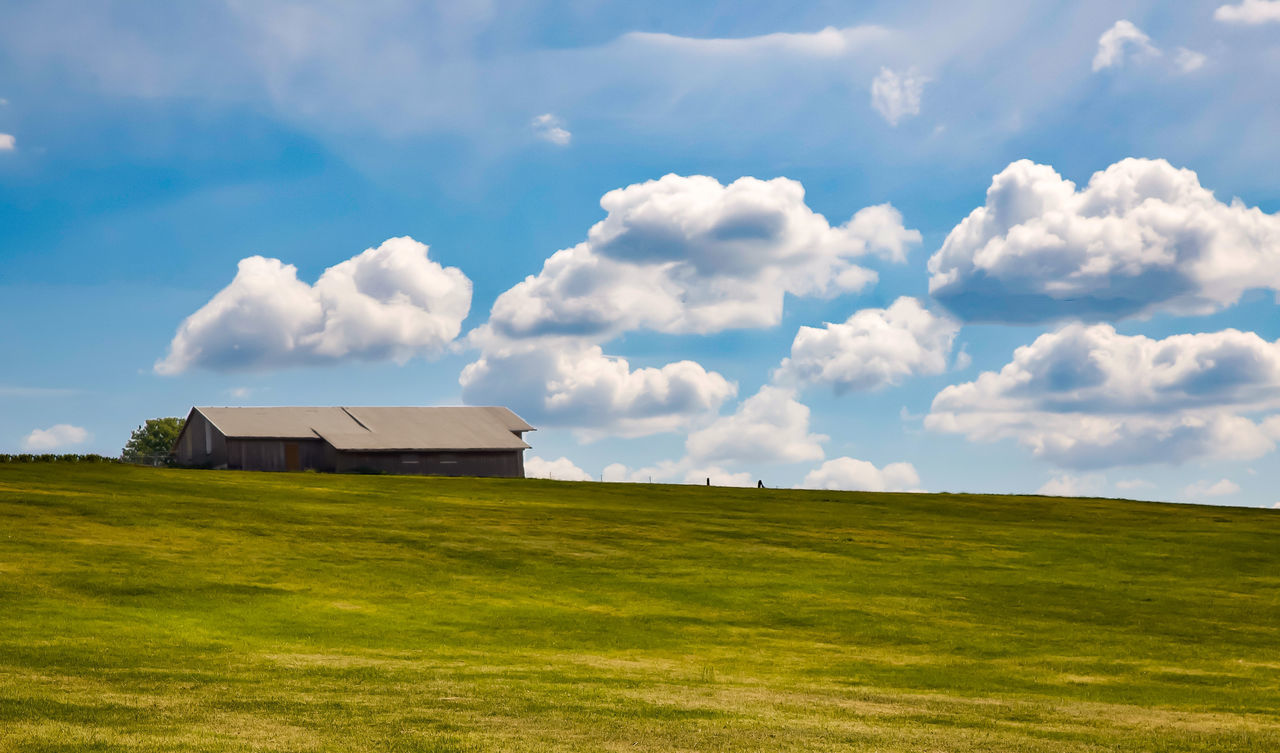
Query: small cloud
[(561, 469), (7, 142), (714, 475), (1116, 42), (1124, 41), (897, 95), (682, 471), (54, 437), (551, 128), (873, 349), (1068, 485), (1219, 488), (830, 42), (1249, 12), (771, 426), (4, 102), (963, 360), (851, 474), (1134, 483), (240, 392), (613, 472), (1188, 61)]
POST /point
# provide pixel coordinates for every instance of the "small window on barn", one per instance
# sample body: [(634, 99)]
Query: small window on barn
[(208, 439), (409, 459)]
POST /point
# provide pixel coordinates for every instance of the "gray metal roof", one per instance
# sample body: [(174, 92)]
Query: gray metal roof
[(373, 429)]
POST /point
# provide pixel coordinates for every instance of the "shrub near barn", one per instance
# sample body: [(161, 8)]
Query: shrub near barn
[(152, 443)]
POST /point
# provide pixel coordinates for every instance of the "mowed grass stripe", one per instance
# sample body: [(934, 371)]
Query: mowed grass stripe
[(147, 609)]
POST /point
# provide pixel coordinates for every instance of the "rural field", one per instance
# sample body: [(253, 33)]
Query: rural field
[(169, 610)]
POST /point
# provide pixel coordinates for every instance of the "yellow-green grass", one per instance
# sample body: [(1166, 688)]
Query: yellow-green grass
[(150, 610)]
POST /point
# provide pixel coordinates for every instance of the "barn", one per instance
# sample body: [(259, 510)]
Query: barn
[(424, 441)]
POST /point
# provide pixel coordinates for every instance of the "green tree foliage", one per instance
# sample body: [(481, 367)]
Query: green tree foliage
[(153, 441)]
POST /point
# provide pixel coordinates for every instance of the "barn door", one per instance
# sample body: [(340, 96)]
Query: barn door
[(291, 461)]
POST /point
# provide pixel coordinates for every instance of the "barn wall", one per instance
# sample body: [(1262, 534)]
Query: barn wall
[(272, 454), (492, 463), (316, 455), (255, 454), (201, 444)]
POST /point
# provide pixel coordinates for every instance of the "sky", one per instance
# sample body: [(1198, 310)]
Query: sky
[(964, 247)]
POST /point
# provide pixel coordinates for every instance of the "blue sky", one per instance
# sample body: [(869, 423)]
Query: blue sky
[(865, 216)]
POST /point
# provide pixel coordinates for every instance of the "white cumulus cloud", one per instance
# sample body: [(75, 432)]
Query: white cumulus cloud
[(551, 128), (689, 255), (771, 426), (897, 95), (873, 348), (767, 428), (1122, 40), (1220, 488), (561, 469), (1088, 397), (1141, 237), (7, 142), (565, 383), (676, 255), (851, 474), (1249, 12), (56, 437), (389, 302)]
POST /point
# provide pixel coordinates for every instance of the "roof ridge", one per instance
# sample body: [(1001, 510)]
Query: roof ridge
[(353, 418)]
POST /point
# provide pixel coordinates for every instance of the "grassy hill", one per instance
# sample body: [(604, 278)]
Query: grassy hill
[(150, 610)]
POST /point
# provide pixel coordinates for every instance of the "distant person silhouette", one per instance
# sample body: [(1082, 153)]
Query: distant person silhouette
[(760, 484)]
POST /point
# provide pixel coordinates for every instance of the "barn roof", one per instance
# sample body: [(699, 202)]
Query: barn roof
[(373, 429)]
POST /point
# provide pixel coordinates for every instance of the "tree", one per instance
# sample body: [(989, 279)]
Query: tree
[(153, 442)]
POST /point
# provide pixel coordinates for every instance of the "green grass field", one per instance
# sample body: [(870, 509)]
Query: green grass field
[(150, 610)]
